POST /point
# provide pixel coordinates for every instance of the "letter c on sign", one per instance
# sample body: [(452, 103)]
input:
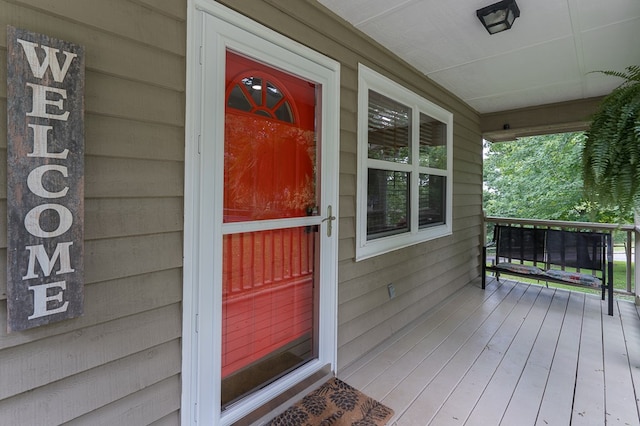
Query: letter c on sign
[(32, 221), (34, 181)]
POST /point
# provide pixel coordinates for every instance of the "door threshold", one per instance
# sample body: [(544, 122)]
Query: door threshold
[(280, 403)]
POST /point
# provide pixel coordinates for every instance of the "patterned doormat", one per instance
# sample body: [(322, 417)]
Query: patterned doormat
[(335, 403)]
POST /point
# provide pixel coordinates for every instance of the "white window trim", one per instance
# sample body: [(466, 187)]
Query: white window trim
[(369, 79), (211, 28)]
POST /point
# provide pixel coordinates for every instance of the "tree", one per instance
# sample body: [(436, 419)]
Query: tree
[(539, 177)]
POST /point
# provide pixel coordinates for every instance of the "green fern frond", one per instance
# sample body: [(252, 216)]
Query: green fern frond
[(611, 154), (632, 73)]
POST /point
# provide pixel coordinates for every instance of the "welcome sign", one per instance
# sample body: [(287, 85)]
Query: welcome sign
[(45, 179)]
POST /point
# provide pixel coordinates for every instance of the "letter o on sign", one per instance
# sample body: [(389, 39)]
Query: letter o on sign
[(32, 221)]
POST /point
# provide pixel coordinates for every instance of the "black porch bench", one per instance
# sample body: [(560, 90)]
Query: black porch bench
[(545, 254)]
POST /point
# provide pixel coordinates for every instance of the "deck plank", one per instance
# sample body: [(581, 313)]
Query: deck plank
[(497, 395), (557, 401), (423, 372), (515, 354), (527, 397), (631, 329), (620, 400), (390, 380), (461, 402), (362, 374), (588, 405), (436, 392)]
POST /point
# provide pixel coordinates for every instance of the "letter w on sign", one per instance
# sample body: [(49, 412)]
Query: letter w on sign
[(45, 179)]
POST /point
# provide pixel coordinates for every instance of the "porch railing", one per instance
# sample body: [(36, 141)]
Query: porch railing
[(628, 235)]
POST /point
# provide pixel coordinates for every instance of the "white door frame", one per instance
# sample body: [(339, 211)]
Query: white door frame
[(211, 29)]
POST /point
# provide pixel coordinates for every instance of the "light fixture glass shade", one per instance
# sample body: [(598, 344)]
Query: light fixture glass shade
[(499, 16)]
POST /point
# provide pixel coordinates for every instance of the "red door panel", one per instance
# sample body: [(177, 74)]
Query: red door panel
[(270, 173)]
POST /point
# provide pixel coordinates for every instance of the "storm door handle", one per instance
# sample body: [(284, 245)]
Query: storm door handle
[(329, 219)]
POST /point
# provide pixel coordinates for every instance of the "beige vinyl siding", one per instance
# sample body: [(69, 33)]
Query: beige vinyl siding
[(424, 274), (120, 362)]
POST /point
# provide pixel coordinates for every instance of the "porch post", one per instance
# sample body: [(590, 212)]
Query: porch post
[(636, 237)]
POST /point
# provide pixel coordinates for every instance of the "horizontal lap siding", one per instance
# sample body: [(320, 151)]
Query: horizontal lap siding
[(425, 274), (120, 362)]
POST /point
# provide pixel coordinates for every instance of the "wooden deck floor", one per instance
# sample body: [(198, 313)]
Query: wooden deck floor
[(513, 354)]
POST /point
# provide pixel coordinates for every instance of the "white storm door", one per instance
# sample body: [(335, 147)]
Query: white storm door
[(260, 215)]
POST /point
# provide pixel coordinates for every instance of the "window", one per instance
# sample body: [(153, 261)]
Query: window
[(247, 94), (405, 167)]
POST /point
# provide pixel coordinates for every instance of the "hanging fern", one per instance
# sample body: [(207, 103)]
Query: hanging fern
[(611, 155)]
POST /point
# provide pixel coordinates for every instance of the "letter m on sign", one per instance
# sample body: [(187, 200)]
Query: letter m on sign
[(45, 180)]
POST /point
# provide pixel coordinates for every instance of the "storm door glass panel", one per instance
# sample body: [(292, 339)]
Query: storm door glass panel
[(269, 303), (270, 143), (387, 203), (268, 307), (433, 143), (432, 202)]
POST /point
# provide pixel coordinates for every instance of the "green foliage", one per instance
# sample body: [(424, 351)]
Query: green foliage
[(539, 177), (611, 156)]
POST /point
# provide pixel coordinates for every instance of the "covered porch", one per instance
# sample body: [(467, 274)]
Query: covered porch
[(513, 354)]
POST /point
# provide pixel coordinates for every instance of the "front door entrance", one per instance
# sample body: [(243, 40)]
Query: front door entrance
[(269, 305), (260, 289)]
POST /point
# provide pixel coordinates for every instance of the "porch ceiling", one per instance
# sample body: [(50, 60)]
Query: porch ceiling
[(545, 58)]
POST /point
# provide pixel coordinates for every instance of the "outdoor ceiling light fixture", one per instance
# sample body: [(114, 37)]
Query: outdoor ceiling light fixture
[(499, 16)]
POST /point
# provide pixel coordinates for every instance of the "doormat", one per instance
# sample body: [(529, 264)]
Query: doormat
[(335, 403)]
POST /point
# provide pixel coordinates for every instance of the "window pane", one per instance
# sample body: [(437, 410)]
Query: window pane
[(387, 203), (283, 113), (273, 95), (389, 129), (238, 100), (433, 143), (432, 193), (254, 85)]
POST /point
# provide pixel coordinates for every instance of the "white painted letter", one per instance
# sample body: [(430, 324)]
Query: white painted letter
[(46, 264), (32, 221), (50, 53), (40, 102), (40, 143), (41, 300), (34, 181)]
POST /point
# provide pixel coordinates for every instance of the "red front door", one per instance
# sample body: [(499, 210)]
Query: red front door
[(268, 273)]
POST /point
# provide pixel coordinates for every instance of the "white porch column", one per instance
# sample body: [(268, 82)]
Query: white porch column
[(636, 238)]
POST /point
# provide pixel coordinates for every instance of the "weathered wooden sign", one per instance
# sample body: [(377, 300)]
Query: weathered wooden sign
[(45, 179)]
